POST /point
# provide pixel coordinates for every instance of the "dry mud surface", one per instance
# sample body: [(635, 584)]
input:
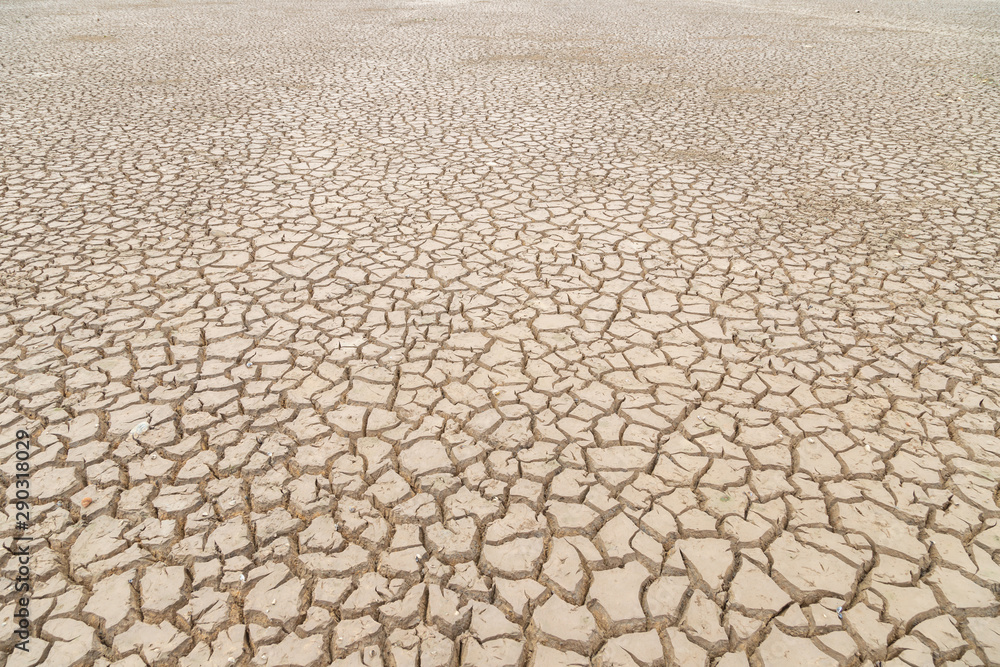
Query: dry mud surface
[(502, 333)]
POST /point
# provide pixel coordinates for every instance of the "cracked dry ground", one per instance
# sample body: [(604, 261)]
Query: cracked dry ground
[(502, 333)]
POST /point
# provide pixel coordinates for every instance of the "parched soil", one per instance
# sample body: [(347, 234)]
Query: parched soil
[(501, 333)]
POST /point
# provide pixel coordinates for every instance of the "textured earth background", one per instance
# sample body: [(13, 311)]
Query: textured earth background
[(500, 333)]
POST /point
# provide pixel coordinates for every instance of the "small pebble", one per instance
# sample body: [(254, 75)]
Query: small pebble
[(86, 502)]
